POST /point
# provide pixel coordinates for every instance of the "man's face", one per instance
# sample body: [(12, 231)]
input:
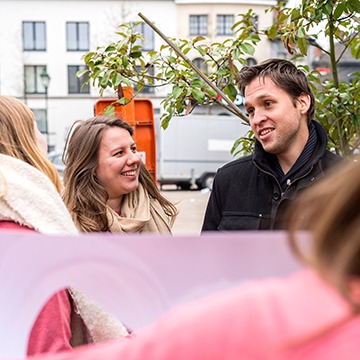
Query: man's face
[(278, 123)]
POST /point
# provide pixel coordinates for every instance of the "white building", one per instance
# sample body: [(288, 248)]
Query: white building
[(53, 35)]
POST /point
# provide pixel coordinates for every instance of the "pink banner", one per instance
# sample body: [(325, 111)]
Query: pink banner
[(134, 277)]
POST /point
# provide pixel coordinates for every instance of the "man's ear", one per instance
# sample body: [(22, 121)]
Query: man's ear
[(304, 103)]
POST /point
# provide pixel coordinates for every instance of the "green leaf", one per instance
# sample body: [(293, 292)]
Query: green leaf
[(124, 61), (272, 32), (301, 32), (171, 59), (354, 6), (302, 43), (198, 95), (88, 56), (110, 48), (109, 111), (201, 50), (176, 91), (82, 72), (116, 80), (295, 14), (247, 48), (232, 91), (212, 93), (197, 39), (136, 54), (355, 50), (105, 79), (123, 101), (339, 10), (196, 83)]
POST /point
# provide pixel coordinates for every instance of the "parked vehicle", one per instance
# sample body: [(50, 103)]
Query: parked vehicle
[(56, 158), (193, 147)]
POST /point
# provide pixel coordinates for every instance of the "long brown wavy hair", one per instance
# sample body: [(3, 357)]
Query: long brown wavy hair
[(84, 196), (17, 137), (330, 211)]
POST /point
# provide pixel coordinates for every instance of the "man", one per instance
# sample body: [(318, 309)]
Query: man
[(253, 192)]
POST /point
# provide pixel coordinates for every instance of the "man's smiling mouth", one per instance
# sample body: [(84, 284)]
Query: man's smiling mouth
[(265, 132)]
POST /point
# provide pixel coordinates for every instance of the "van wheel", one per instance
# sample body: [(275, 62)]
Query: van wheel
[(184, 185)]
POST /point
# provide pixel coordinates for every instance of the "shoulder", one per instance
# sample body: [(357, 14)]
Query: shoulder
[(330, 159), (233, 318), (238, 164)]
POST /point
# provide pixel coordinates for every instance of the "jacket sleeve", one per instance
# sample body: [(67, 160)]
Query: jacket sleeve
[(51, 331)]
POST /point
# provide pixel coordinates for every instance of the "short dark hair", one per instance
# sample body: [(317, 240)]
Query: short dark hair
[(284, 74)]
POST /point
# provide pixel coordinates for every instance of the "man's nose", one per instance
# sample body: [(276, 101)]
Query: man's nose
[(258, 117)]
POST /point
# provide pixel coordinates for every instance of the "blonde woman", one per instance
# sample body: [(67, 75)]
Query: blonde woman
[(30, 201), (106, 186)]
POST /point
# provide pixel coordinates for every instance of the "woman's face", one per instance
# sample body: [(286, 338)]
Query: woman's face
[(118, 164), (40, 139)]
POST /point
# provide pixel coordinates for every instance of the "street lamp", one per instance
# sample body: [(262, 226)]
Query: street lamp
[(45, 80)]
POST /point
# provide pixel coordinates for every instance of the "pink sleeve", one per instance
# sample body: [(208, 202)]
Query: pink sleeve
[(12, 225), (51, 331)]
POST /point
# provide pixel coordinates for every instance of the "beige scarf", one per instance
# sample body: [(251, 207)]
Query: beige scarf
[(28, 197), (139, 213)]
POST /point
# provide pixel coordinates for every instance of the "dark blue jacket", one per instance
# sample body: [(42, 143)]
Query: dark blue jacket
[(246, 194)]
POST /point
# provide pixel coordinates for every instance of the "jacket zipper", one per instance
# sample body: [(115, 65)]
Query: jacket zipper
[(289, 182)]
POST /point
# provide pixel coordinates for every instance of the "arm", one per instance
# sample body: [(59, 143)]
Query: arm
[(51, 331)]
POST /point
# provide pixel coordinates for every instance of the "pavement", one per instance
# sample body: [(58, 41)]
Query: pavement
[(191, 205)]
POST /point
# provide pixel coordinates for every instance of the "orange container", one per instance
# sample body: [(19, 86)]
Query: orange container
[(139, 113)]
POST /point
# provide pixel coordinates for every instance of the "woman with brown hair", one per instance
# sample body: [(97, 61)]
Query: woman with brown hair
[(106, 185)]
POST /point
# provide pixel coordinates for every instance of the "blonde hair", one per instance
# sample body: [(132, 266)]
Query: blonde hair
[(330, 210), (17, 137)]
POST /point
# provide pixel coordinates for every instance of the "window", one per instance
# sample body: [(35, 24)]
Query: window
[(255, 21), (34, 36), (40, 117), (201, 64), (33, 83), (77, 36), (224, 24), (198, 24), (147, 31), (75, 84), (150, 71)]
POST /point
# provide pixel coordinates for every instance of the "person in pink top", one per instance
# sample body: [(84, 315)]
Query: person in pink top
[(30, 201), (311, 314)]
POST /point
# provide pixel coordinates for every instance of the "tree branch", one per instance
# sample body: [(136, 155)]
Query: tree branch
[(235, 109)]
